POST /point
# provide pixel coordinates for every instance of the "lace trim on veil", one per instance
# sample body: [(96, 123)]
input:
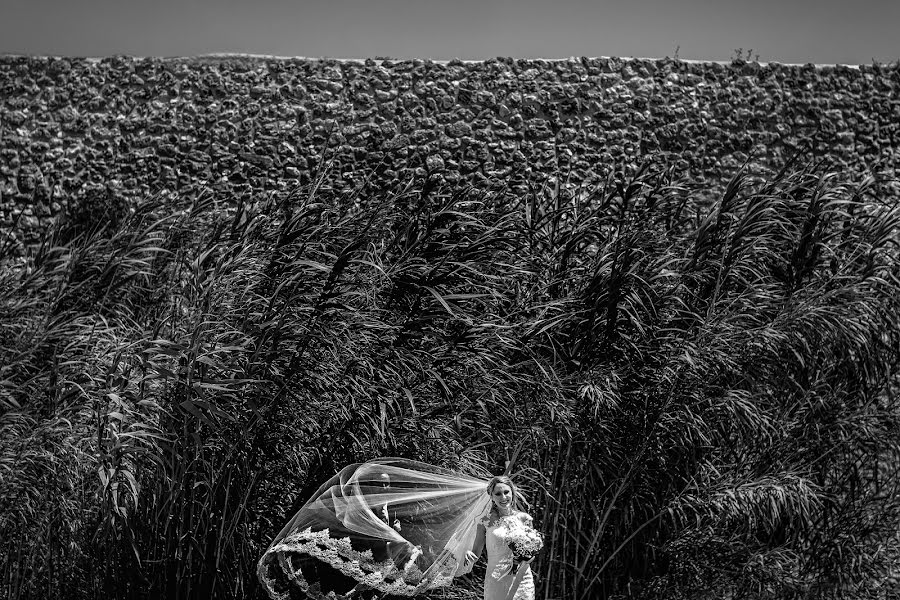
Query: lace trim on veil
[(384, 576), (350, 531)]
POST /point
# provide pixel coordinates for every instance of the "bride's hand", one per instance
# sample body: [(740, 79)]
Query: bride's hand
[(471, 557)]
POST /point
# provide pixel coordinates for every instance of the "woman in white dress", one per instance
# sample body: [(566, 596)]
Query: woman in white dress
[(399, 527), (493, 530)]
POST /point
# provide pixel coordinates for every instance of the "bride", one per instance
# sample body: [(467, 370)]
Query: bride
[(493, 530), (397, 527)]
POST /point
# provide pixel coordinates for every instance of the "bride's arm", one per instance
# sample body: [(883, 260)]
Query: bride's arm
[(473, 554), (478, 546)]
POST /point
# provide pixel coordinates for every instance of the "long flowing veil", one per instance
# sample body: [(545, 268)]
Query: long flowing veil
[(398, 526)]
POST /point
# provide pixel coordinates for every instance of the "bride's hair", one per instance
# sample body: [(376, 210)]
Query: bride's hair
[(506, 481)]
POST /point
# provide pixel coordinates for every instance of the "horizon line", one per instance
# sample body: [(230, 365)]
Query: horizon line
[(255, 56)]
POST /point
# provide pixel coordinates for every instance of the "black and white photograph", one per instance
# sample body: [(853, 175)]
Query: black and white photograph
[(449, 300)]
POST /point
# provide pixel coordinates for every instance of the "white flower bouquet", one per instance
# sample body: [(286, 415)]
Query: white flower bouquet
[(524, 542)]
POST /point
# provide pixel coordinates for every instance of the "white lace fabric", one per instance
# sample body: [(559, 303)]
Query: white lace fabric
[(500, 575), (399, 526)]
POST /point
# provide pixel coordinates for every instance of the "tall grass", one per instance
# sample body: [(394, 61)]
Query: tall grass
[(698, 389), (733, 368)]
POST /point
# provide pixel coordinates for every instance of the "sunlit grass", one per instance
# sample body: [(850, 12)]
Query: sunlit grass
[(698, 391)]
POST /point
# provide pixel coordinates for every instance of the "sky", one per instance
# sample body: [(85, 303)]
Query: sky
[(787, 31)]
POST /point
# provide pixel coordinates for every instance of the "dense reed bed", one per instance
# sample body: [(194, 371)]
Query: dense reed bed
[(700, 390)]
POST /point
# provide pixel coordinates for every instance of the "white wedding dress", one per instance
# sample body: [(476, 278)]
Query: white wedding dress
[(499, 575)]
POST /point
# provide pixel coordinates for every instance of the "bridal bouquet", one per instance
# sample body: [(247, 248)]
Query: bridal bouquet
[(525, 542)]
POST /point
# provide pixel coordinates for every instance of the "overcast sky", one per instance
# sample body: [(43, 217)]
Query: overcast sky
[(792, 31)]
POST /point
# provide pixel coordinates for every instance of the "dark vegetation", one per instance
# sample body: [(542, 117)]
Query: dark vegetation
[(702, 389)]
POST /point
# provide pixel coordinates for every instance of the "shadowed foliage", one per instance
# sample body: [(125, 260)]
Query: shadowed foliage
[(701, 392)]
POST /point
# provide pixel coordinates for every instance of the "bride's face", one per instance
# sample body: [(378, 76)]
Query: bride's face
[(502, 497)]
